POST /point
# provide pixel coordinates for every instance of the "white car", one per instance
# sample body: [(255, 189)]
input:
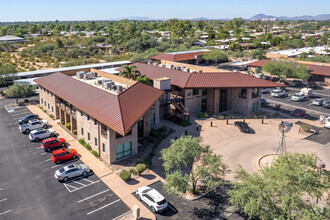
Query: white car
[(33, 125), (297, 97), (317, 102), (259, 76), (40, 134), (71, 171), (327, 122), (152, 198), (278, 93), (264, 90)]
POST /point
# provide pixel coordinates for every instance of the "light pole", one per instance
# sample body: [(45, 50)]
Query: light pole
[(321, 165)]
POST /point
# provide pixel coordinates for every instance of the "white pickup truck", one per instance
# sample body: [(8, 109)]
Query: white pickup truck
[(32, 125)]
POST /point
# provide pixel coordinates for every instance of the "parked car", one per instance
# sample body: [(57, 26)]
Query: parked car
[(298, 112), (317, 102), (259, 76), (53, 143), (71, 171), (32, 125), (326, 103), (264, 90), (297, 97), (274, 79), (278, 93), (308, 92), (265, 77), (312, 85), (152, 198), (327, 122), (63, 154), (26, 118), (263, 101), (243, 127), (294, 83), (41, 133)]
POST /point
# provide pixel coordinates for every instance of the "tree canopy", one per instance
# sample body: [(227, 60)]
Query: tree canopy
[(286, 190), (5, 72), (187, 161), (217, 56), (19, 91), (285, 69)]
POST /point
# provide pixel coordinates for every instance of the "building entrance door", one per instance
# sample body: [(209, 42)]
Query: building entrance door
[(223, 100), (140, 128), (204, 100)]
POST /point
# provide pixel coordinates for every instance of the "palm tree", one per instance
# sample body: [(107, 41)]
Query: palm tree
[(130, 72)]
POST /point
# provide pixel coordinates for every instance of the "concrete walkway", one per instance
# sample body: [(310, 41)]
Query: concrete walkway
[(111, 179)]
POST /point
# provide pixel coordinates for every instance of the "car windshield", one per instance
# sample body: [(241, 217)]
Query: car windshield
[(69, 151), (146, 190), (61, 170), (245, 126), (162, 202), (78, 166)]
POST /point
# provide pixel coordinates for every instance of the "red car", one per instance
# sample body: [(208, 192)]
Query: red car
[(63, 154), (298, 112), (52, 143)]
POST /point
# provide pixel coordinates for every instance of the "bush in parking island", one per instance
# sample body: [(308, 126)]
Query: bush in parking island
[(125, 175), (140, 168), (133, 171), (203, 114)]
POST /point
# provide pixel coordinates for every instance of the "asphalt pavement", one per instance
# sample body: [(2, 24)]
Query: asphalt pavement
[(28, 189)]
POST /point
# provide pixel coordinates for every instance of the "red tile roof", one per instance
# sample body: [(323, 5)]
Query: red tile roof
[(178, 57), (203, 80), (316, 69), (228, 80), (118, 112)]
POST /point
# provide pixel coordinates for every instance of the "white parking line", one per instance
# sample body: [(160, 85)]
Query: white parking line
[(103, 207), (21, 113), (80, 183), (2, 213), (38, 148), (89, 180), (1, 189), (48, 159), (54, 166), (93, 195), (43, 153), (2, 200), (66, 186), (76, 188)]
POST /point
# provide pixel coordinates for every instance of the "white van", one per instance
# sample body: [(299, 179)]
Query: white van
[(306, 91)]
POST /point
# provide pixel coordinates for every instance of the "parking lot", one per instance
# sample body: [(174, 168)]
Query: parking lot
[(28, 189), (211, 206), (305, 104)]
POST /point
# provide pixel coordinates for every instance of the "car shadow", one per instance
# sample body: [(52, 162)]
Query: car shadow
[(170, 211)]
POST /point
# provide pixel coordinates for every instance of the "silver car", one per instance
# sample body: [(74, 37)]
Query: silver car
[(71, 171)]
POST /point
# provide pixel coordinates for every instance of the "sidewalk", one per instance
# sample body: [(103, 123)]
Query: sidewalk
[(112, 180)]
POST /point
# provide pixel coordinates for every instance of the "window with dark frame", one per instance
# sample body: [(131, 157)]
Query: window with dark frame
[(243, 94), (255, 93), (123, 150), (195, 91)]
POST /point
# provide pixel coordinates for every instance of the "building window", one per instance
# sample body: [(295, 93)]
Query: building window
[(120, 136), (82, 131), (88, 117), (95, 122), (103, 147), (95, 142), (52, 109), (42, 101), (195, 91), (255, 93), (89, 136), (153, 118), (254, 107), (243, 94), (48, 106), (81, 113), (123, 150), (45, 103)]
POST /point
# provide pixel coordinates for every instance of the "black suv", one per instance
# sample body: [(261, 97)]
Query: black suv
[(294, 83)]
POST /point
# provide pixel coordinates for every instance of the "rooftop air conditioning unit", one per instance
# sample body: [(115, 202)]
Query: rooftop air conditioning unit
[(179, 68), (108, 85), (114, 88), (80, 75), (120, 88), (99, 82), (87, 76), (106, 80), (94, 74), (155, 64), (186, 70)]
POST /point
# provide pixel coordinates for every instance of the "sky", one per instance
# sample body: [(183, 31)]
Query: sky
[(63, 10)]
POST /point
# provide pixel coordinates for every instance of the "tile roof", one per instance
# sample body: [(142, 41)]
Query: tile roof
[(228, 80), (118, 112), (179, 56), (203, 80), (316, 69)]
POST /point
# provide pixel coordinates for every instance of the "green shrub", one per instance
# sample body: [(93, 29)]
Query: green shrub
[(40, 106), (221, 117), (63, 122), (82, 141), (155, 133), (26, 100), (140, 168), (1, 92), (75, 132), (184, 123), (68, 125), (125, 175), (133, 171), (306, 128), (95, 153), (44, 110), (88, 147), (52, 116), (163, 129), (204, 115)]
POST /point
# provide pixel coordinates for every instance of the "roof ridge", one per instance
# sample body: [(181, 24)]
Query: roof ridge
[(187, 80), (121, 116)]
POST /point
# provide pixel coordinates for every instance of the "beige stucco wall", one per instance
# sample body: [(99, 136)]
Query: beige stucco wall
[(47, 99), (243, 105), (193, 67), (193, 102)]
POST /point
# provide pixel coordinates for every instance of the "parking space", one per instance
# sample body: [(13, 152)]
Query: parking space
[(29, 190), (212, 206)]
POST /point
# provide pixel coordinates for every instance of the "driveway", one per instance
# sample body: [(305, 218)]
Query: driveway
[(28, 189)]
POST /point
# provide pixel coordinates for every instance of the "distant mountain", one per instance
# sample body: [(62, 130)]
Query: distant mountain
[(136, 18), (303, 17)]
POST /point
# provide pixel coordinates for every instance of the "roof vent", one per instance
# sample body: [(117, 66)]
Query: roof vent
[(80, 74)]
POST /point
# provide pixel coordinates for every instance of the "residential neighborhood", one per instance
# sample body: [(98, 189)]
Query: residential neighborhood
[(173, 115)]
